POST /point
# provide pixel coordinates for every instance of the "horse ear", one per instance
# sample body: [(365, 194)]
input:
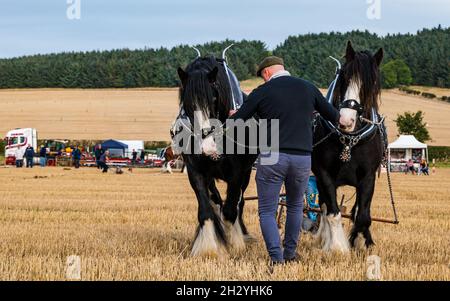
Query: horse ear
[(378, 56), (349, 52), (182, 74), (212, 75)]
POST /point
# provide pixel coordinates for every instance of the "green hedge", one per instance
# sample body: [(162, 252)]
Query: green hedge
[(440, 153), (445, 98), (428, 95), (156, 144), (2, 147), (409, 90)]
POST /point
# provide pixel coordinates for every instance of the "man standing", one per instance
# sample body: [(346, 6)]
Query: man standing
[(142, 157), (292, 101), (43, 156), (19, 157), (102, 161), (134, 157), (98, 153), (29, 155), (76, 154)]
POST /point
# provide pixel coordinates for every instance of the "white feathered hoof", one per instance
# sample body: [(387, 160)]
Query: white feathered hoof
[(207, 243), (235, 237), (338, 240)]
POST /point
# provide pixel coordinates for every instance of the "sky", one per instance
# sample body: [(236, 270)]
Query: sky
[(30, 27)]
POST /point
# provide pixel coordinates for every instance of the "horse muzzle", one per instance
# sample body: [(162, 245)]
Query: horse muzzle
[(347, 121), (209, 148)]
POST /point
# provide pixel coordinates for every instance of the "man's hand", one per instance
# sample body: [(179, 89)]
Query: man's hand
[(231, 112)]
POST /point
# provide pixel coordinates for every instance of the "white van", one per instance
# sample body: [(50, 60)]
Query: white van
[(19, 138)]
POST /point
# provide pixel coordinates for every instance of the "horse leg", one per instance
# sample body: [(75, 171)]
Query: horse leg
[(210, 237), (331, 235), (235, 235), (247, 236), (215, 197), (361, 213)]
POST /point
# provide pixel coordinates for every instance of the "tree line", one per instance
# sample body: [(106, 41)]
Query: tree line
[(426, 55), (421, 59)]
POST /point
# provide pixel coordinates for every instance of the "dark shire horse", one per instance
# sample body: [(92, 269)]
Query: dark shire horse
[(350, 155), (206, 92)]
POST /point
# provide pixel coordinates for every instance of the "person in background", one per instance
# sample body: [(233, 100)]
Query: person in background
[(102, 161), (43, 156), (76, 156), (98, 153), (142, 156), (410, 167), (134, 157), (19, 157), (424, 167), (29, 155)]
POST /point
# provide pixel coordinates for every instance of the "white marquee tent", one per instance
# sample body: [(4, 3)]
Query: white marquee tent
[(404, 148)]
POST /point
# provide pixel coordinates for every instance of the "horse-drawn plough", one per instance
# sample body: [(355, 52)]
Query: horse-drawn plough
[(282, 203)]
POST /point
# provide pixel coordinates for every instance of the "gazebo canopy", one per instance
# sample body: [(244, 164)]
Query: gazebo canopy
[(114, 144), (407, 141)]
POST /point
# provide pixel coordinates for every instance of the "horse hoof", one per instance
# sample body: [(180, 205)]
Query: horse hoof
[(359, 243), (335, 238), (249, 239), (207, 243), (235, 237)]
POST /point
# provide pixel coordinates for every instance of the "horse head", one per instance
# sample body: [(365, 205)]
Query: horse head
[(204, 96), (358, 87)]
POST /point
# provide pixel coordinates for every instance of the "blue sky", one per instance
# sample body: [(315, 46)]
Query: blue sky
[(41, 26)]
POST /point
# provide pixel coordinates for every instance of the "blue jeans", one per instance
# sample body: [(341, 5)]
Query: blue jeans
[(19, 163), (42, 161), (293, 171)]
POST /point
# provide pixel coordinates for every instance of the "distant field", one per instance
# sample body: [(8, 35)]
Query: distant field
[(144, 114), (148, 113), (438, 91)]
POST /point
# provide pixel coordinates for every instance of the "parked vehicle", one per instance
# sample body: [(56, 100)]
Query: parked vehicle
[(19, 138)]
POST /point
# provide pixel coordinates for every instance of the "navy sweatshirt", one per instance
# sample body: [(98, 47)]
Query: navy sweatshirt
[(292, 101)]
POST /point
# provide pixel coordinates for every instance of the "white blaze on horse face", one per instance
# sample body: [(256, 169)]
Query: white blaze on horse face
[(208, 145), (348, 116)]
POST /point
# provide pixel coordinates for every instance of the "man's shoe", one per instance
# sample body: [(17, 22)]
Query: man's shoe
[(273, 264), (294, 259)]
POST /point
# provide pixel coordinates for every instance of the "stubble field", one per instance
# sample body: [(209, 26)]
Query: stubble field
[(139, 225)]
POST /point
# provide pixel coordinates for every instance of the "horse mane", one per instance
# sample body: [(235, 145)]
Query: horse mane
[(364, 67), (197, 92)]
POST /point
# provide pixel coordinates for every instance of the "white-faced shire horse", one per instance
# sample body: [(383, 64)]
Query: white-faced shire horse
[(206, 93), (352, 155)]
